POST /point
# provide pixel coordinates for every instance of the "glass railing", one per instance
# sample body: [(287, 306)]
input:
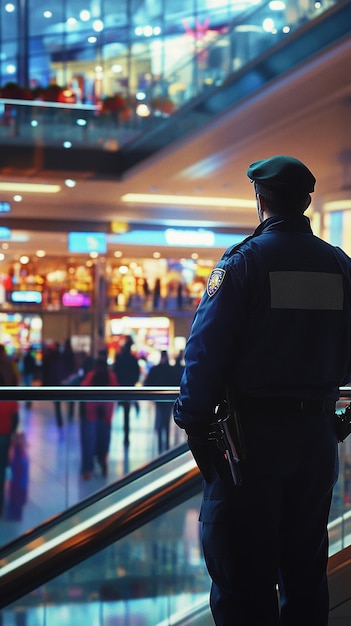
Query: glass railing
[(252, 35), (45, 475)]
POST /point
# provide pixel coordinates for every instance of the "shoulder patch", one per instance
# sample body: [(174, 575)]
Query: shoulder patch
[(215, 280)]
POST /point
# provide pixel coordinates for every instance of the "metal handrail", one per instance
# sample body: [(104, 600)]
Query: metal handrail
[(109, 394), (85, 394)]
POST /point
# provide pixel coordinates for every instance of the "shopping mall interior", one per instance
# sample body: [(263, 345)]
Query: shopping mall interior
[(126, 129)]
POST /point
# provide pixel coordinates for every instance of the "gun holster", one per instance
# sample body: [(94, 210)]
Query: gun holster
[(343, 424), (230, 440)]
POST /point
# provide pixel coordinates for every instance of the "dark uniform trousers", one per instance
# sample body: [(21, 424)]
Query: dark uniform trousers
[(272, 531)]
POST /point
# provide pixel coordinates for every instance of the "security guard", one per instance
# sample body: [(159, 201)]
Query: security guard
[(274, 328)]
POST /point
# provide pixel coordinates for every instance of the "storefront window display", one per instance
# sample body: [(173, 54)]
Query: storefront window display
[(20, 331), (141, 51)]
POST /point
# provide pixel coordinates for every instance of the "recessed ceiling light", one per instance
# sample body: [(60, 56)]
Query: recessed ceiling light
[(30, 187), (147, 198)]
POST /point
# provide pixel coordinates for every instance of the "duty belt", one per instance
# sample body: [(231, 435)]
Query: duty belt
[(286, 405)]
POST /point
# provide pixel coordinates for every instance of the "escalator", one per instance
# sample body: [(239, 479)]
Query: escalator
[(268, 59), (132, 547), (127, 555)]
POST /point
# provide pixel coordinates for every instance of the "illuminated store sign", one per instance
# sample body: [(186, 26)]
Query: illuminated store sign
[(186, 238), (175, 237), (87, 242), (76, 299), (5, 233), (27, 297)]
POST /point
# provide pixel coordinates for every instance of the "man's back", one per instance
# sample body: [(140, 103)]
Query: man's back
[(297, 316)]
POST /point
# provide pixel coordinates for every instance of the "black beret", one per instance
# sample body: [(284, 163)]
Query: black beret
[(284, 173)]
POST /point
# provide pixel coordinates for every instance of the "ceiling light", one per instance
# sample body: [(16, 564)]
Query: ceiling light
[(30, 187), (277, 5), (24, 259), (143, 111), (69, 182), (337, 205), (84, 15), (147, 198), (98, 26), (9, 7), (40, 253), (17, 198)]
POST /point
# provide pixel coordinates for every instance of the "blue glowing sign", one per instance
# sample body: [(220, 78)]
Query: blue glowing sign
[(5, 233), (87, 242), (28, 297)]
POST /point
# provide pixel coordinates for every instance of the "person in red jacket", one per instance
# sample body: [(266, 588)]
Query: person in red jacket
[(8, 426), (96, 424)]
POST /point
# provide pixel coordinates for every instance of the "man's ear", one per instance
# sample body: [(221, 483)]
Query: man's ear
[(261, 206)]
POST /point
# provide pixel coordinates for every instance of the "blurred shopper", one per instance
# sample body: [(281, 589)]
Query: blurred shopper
[(178, 368), (8, 369), (127, 370), (96, 425), (19, 478), (271, 335), (162, 375), (8, 426), (52, 374), (28, 370), (68, 370)]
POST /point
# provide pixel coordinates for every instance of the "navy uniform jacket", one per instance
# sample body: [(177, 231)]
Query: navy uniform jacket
[(275, 321)]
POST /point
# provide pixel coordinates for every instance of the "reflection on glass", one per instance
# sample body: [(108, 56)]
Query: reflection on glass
[(143, 579)]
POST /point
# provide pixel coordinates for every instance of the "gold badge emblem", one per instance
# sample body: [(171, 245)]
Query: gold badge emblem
[(215, 280)]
